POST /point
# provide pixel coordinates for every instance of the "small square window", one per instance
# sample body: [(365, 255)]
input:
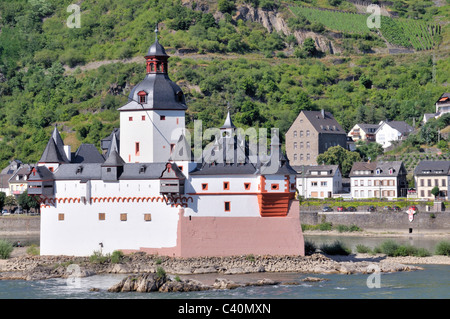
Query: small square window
[(247, 186), (123, 217), (148, 217), (60, 216), (130, 118), (101, 216), (143, 117), (227, 206), (204, 187), (226, 186), (162, 118), (275, 186)]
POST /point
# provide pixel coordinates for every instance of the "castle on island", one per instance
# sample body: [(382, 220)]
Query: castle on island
[(146, 192)]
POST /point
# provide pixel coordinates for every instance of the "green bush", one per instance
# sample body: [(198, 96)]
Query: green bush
[(389, 247), (98, 258), (116, 256), (345, 228), (336, 248), (443, 248), (310, 248), (33, 250), (6, 249), (160, 273), (362, 249), (325, 226), (393, 249)]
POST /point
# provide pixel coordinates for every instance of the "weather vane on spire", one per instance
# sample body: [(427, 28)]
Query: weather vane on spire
[(156, 32)]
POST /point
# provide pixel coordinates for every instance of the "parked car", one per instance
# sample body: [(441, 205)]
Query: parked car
[(327, 209), (19, 210), (387, 208), (341, 209), (396, 209), (371, 209), (5, 212), (351, 209)]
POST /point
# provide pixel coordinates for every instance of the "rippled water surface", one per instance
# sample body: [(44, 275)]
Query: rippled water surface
[(431, 283)]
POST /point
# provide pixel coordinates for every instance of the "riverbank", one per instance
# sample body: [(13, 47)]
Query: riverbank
[(401, 233)]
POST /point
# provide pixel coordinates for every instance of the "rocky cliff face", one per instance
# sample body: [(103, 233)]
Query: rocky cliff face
[(274, 21)]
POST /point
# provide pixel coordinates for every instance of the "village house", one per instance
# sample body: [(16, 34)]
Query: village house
[(13, 178), (363, 132), (318, 181), (378, 180), (442, 107), (429, 174), (18, 181), (311, 134), (391, 131)]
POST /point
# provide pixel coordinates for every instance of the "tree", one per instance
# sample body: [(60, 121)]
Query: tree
[(369, 150), (435, 191), (337, 155), (10, 201), (309, 47), (226, 6), (2, 199)]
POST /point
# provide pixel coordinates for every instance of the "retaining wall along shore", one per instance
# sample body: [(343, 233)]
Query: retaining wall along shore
[(423, 221), (19, 223)]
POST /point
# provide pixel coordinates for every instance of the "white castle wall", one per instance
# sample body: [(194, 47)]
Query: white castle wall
[(153, 134), (81, 231)]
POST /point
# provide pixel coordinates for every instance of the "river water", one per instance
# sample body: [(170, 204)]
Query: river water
[(431, 283)]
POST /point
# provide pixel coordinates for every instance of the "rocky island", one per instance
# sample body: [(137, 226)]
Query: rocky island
[(44, 267)]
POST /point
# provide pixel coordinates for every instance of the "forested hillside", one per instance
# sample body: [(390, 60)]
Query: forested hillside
[(221, 54)]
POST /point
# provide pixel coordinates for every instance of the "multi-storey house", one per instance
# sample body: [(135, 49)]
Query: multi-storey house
[(429, 174), (311, 134), (378, 180)]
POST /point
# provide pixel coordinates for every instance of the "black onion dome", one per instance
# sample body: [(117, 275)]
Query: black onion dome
[(162, 93), (156, 49)]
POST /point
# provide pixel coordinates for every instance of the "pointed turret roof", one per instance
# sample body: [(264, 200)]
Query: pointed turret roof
[(52, 154), (228, 122), (59, 143), (114, 159), (114, 146), (182, 150)]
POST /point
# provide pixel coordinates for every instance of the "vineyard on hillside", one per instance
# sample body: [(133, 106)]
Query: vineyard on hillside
[(408, 33)]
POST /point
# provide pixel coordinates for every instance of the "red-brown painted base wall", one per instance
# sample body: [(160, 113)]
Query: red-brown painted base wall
[(229, 236)]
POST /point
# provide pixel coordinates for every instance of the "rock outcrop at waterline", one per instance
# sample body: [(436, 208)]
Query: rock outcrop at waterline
[(150, 282), (45, 267)]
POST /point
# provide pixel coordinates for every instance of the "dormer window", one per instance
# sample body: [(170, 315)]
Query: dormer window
[(391, 171), (79, 169), (179, 96), (142, 169), (142, 96), (378, 171)]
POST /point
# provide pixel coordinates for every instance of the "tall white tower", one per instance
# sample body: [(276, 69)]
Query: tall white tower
[(153, 120)]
